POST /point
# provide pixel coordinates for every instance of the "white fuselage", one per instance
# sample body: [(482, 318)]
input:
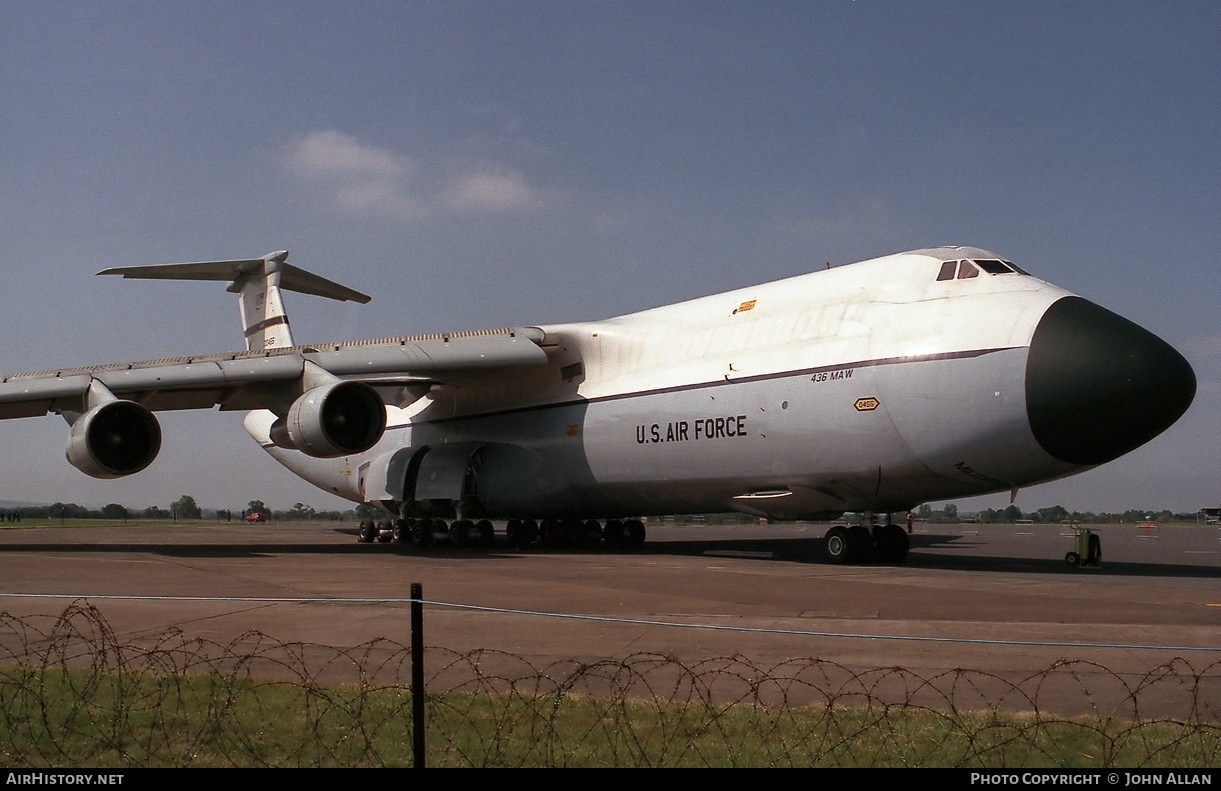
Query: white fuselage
[(873, 386)]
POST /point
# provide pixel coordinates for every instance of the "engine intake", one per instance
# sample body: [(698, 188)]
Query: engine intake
[(336, 419), (113, 440)]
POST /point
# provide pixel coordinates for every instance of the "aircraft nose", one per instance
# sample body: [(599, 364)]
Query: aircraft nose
[(1098, 386)]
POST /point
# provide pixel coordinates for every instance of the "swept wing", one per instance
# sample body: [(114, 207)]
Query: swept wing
[(247, 380), (329, 399)]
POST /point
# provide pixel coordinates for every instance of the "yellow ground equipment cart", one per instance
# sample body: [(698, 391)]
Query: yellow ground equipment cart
[(1088, 551)]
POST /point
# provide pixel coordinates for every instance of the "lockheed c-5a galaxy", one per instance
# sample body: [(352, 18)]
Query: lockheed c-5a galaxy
[(868, 388)]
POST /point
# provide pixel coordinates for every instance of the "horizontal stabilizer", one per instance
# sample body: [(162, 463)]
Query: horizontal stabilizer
[(257, 282), (291, 278)]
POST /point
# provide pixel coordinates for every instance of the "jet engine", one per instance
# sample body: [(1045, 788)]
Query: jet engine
[(114, 439), (335, 419)]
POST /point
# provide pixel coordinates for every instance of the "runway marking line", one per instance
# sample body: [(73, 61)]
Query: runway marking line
[(629, 621)]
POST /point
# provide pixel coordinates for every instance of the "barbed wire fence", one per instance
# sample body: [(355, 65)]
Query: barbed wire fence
[(73, 694)]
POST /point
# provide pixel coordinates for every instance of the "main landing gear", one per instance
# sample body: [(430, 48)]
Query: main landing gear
[(422, 532), (520, 532), (858, 544)]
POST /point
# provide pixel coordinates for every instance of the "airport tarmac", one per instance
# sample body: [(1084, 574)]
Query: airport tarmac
[(998, 599)]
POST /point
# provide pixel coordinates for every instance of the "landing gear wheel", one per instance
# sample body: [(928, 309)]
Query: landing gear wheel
[(568, 532), (862, 544), (549, 532), (401, 531), (367, 531), (592, 535), (838, 546), (460, 532), (527, 534), (484, 533), (633, 533), (421, 532), (891, 543), (614, 533)]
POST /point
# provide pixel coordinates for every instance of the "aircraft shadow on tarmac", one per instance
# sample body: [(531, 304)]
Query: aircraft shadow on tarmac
[(925, 554), (928, 552)]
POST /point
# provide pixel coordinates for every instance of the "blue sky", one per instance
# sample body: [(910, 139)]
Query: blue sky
[(507, 163)]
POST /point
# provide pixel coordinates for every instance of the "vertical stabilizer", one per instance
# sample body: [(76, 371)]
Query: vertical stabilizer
[(257, 282), (264, 319)]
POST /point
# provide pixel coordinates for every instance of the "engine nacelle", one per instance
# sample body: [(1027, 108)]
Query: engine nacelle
[(336, 419), (115, 439)]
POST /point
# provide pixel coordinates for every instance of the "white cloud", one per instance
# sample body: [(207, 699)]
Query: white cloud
[(334, 155), (371, 180), (487, 190), (356, 177)]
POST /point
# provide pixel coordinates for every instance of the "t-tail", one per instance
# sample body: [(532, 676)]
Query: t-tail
[(257, 282)]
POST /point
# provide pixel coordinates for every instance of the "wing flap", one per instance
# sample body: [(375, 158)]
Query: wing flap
[(169, 400)]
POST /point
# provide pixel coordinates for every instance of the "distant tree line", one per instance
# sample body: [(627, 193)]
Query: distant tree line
[(1052, 515), (185, 508)]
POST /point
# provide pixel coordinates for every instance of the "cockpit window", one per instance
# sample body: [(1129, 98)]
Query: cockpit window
[(993, 267), (967, 269)]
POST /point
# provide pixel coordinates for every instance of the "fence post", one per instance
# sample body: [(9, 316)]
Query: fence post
[(417, 674)]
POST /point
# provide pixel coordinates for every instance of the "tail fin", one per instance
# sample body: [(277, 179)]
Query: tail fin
[(257, 282)]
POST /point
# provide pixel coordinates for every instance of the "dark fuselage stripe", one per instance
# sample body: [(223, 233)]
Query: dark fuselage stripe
[(262, 325), (919, 358)]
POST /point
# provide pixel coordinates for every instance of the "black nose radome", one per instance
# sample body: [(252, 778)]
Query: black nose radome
[(1098, 386)]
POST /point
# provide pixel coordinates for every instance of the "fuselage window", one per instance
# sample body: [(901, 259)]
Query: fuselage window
[(967, 269), (947, 270)]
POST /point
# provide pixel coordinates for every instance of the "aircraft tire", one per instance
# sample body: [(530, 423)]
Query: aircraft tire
[(485, 533), (401, 531), (862, 544), (548, 532), (528, 533), (591, 532), (460, 532), (366, 532), (891, 543), (901, 544), (421, 532), (570, 532), (633, 533), (1094, 556), (838, 546), (613, 533)]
